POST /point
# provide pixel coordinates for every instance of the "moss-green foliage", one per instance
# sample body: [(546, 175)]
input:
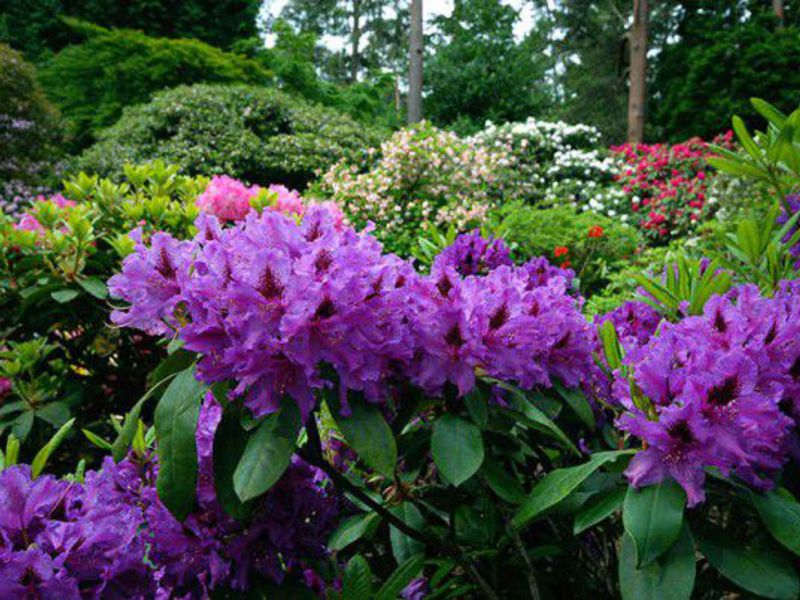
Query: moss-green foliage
[(257, 134), (537, 232), (93, 81)]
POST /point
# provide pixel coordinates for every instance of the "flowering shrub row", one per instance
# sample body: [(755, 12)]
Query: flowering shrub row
[(667, 186), (421, 176)]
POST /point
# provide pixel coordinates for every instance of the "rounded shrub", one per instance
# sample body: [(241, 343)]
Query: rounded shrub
[(93, 81), (29, 131), (257, 134)]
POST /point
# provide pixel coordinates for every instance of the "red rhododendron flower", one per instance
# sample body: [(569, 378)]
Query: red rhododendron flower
[(560, 251), (595, 231)]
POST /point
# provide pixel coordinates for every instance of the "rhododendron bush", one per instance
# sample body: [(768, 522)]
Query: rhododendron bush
[(420, 177), (324, 417)]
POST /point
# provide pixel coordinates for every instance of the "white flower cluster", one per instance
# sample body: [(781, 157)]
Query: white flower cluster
[(556, 163)]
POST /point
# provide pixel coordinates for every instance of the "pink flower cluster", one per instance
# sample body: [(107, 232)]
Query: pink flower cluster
[(230, 200), (29, 221), (667, 185)]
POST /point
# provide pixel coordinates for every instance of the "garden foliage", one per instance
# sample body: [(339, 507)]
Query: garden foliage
[(92, 81), (256, 134)]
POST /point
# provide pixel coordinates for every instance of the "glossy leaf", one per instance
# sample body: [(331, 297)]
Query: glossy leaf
[(175, 422), (669, 578), (401, 577), (357, 580), (653, 517), (781, 515), (367, 432), (40, 460), (352, 529), (403, 546), (457, 448), (268, 452), (599, 508)]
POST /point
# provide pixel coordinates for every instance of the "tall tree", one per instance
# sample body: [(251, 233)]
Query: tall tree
[(637, 93), (373, 30), (478, 70), (415, 58)]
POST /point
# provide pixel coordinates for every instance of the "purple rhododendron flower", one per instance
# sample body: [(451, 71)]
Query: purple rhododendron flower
[(725, 389), (473, 254), (793, 202), (635, 323)]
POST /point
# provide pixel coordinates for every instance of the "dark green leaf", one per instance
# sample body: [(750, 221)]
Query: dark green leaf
[(781, 515), (669, 578), (175, 422), (401, 577), (367, 432), (477, 408), (268, 452), (404, 547), (653, 516), (578, 403), (558, 484), (504, 484), (761, 570), (457, 448), (357, 580), (598, 509), (229, 444), (352, 529)]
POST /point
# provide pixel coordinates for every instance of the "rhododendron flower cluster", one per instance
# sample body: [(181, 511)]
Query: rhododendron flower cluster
[(717, 390), (267, 301), (667, 186), (473, 254), (30, 219), (110, 536), (420, 176), (554, 162), (229, 199), (634, 321)]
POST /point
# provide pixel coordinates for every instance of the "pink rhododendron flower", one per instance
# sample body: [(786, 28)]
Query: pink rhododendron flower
[(227, 198)]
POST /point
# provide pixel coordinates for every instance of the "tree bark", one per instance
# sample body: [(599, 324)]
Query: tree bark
[(415, 50), (638, 72), (355, 42), (777, 7)]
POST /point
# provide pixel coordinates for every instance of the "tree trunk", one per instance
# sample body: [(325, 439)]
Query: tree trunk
[(777, 6), (355, 41), (415, 47), (638, 72)]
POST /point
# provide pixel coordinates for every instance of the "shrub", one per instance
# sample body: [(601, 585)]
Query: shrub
[(554, 162), (252, 133), (93, 81), (422, 176), (667, 186), (29, 132), (569, 238), (57, 350)]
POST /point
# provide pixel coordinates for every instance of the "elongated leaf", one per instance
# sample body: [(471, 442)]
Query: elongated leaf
[(357, 580), (457, 448), (502, 483), (403, 546), (175, 423), (230, 441), (579, 404), (534, 416), (64, 296), (745, 139), (598, 509), (40, 460), (781, 515), (669, 578), (352, 529), (558, 484), (401, 577), (653, 517), (95, 287), (96, 440), (769, 112), (367, 432), (119, 448), (268, 452), (761, 570)]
